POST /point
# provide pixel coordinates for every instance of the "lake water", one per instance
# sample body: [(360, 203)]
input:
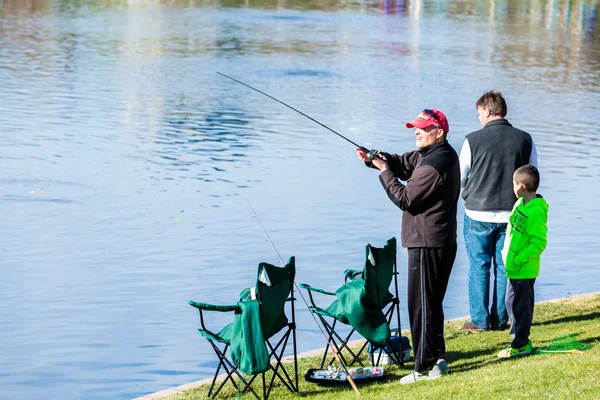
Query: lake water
[(126, 160)]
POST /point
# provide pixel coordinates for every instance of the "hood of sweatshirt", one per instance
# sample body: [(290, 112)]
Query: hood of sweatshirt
[(539, 201)]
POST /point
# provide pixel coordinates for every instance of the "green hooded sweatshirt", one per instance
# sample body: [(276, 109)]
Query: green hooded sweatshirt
[(525, 238)]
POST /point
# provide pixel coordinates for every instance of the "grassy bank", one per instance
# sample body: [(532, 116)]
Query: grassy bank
[(477, 373)]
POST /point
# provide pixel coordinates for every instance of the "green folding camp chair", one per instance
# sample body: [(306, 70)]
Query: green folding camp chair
[(259, 319), (365, 303)]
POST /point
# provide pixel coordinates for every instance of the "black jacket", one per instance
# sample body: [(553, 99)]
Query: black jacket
[(430, 196)]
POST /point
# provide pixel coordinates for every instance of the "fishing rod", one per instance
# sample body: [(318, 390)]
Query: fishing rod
[(370, 154), (335, 354)]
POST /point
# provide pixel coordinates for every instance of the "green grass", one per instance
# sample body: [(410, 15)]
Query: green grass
[(477, 372)]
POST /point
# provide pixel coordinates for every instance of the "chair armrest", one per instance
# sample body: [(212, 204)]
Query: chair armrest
[(352, 274), (214, 307), (312, 289)]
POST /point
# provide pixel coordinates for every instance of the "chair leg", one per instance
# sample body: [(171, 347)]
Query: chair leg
[(325, 324), (397, 359), (225, 363), (250, 382), (227, 378), (330, 332), (343, 344), (221, 356), (358, 353), (355, 357), (395, 306), (288, 383), (296, 387), (379, 352), (246, 385), (212, 385)]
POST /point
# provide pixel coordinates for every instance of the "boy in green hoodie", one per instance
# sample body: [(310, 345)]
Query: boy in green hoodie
[(525, 241)]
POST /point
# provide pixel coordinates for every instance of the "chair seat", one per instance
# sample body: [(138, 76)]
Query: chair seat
[(333, 311), (224, 336)]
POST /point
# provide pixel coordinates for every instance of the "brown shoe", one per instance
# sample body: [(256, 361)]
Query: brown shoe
[(468, 326)]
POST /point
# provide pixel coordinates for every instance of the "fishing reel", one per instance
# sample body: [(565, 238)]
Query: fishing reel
[(371, 154)]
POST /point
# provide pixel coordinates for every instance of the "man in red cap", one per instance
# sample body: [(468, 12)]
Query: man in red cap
[(428, 200)]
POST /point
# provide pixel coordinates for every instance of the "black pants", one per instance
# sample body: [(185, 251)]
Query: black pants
[(428, 274), (520, 300)]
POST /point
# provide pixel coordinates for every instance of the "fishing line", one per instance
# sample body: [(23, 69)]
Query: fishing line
[(370, 154), (335, 354), (385, 112)]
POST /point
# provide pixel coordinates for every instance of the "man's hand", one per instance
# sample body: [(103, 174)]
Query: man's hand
[(361, 152), (379, 161)]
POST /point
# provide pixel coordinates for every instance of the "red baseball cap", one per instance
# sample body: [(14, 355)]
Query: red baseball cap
[(429, 117)]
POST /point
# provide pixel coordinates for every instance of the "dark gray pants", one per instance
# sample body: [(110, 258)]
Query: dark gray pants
[(520, 300), (428, 274)]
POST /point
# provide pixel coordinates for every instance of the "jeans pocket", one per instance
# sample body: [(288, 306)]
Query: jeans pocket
[(477, 228)]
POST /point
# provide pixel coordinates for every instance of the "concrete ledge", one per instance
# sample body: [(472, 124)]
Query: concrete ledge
[(317, 352), (207, 381)]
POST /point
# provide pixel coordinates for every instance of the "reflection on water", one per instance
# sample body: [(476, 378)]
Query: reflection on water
[(126, 160), (204, 143)]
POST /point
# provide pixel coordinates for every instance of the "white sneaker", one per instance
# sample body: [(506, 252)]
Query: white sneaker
[(440, 368), (413, 377)]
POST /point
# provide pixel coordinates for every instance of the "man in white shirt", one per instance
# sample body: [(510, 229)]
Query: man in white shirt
[(488, 160)]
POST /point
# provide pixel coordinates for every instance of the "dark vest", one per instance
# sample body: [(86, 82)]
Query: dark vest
[(497, 151)]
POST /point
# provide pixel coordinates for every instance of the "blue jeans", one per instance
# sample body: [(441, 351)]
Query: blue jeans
[(484, 242)]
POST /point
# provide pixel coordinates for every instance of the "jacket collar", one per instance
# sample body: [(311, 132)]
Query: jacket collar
[(497, 122), (432, 148)]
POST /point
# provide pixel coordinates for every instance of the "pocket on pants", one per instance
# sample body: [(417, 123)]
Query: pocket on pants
[(477, 228)]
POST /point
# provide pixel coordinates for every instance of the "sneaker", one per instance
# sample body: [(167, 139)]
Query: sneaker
[(440, 368), (413, 377), (510, 352), (468, 326)]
